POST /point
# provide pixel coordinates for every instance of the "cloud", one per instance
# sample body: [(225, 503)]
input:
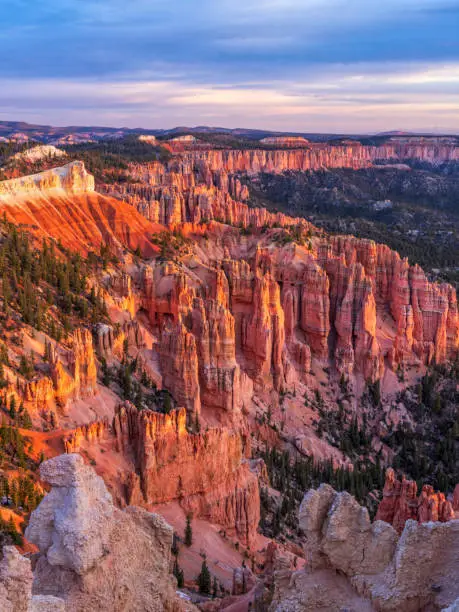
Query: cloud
[(175, 61)]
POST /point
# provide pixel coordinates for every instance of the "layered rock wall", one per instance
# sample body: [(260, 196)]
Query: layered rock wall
[(78, 377), (205, 471)]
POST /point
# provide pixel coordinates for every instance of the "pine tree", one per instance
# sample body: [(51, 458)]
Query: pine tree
[(105, 373), (204, 579), (188, 532), (437, 407), (167, 403), (26, 420), (174, 547), (13, 407), (197, 424), (178, 573)]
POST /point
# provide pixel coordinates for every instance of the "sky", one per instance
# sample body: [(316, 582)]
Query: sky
[(337, 66)]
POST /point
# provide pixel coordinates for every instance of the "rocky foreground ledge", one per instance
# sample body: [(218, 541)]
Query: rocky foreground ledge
[(92, 556), (358, 565)]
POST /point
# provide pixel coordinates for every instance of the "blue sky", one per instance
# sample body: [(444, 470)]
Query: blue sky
[(305, 65)]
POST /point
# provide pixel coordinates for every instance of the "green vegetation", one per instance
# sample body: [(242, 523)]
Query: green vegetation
[(37, 281), (292, 477), (188, 532), (8, 533), (342, 201), (107, 160), (429, 451), (20, 492), (172, 245), (178, 573), (134, 384), (204, 579)]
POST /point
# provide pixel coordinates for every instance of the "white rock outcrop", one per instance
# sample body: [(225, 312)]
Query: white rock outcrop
[(71, 178), (93, 555), (352, 562), (16, 586), (38, 153)]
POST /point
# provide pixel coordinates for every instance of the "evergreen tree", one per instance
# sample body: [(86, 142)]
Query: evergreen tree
[(178, 573), (188, 532), (167, 403), (204, 579)]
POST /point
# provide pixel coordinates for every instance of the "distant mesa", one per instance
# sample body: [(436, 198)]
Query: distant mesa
[(285, 141), (72, 139), (38, 153), (19, 137), (186, 139), (148, 139), (423, 140)]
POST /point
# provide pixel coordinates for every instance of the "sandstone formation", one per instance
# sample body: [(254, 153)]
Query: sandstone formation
[(400, 503), (73, 375), (71, 178), (39, 394), (333, 295), (78, 377), (377, 569), (93, 555), (110, 341), (62, 204), (15, 581), (285, 141), (205, 471), (91, 432), (274, 310)]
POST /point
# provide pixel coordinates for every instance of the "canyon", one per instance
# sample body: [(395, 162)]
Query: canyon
[(226, 330)]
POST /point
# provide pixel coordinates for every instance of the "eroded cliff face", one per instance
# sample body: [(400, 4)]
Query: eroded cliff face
[(206, 471), (425, 314), (367, 566), (90, 432), (318, 156), (61, 204), (259, 314), (230, 322), (77, 378), (192, 191), (333, 296), (71, 178), (401, 503), (72, 376)]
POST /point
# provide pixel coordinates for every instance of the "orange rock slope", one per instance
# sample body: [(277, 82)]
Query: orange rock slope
[(62, 204)]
